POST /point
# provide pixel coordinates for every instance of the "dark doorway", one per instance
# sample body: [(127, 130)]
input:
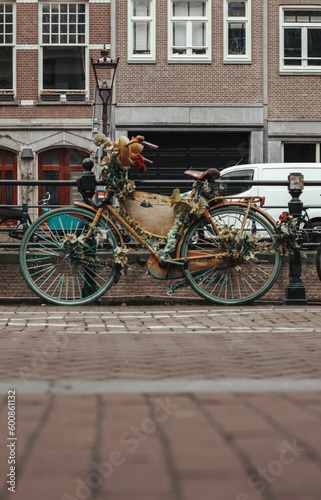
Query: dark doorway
[(180, 151)]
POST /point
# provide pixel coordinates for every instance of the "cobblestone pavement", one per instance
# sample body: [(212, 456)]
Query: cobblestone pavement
[(160, 402)]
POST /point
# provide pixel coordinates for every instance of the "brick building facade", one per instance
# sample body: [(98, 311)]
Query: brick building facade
[(47, 90), (213, 82)]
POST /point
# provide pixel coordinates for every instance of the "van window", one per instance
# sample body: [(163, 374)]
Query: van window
[(234, 189)]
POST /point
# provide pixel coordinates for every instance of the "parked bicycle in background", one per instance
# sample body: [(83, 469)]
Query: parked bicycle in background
[(13, 220)]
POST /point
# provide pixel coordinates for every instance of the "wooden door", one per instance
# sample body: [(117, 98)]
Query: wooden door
[(60, 164)]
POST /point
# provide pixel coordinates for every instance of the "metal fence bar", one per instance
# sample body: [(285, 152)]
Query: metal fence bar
[(22, 182)]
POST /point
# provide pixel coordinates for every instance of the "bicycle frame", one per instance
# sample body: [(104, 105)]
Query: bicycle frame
[(225, 249), (248, 203)]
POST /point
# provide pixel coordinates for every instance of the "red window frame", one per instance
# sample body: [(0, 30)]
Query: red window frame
[(4, 167)]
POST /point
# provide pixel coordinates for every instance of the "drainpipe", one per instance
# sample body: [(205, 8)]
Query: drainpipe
[(265, 82), (113, 56)]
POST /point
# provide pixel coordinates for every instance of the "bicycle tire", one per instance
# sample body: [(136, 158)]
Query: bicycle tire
[(318, 261), (222, 279), (62, 269)]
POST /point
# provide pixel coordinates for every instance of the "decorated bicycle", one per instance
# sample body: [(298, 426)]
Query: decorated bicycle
[(225, 249)]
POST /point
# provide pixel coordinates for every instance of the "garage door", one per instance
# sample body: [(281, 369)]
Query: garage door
[(181, 151)]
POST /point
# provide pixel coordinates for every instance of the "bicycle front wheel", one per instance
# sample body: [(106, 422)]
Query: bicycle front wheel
[(62, 266), (235, 266)]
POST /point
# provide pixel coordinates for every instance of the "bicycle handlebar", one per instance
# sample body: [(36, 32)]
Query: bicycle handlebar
[(149, 145)]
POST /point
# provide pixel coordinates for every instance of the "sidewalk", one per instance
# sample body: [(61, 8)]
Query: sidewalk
[(161, 403)]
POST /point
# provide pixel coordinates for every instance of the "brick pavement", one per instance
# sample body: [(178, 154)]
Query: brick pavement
[(245, 433)]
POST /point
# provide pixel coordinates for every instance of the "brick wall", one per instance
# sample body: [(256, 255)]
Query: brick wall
[(182, 82), (290, 97), (27, 60), (140, 287)]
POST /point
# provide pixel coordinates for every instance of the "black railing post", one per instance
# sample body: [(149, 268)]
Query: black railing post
[(25, 217), (87, 182), (295, 291)]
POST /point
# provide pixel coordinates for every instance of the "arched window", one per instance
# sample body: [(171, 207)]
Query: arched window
[(8, 171), (61, 164)]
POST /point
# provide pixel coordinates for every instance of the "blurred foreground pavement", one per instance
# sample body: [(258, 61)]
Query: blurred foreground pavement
[(160, 402)]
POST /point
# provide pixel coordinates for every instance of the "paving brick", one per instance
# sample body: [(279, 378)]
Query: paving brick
[(49, 488), (48, 462), (296, 477), (138, 478), (222, 489), (239, 420)]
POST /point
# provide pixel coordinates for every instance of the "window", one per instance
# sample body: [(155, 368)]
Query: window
[(141, 31), (300, 43), (64, 48), (301, 152), (237, 34), (6, 51), (189, 33)]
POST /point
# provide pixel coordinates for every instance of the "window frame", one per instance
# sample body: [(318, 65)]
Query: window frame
[(11, 92), (7, 167), (42, 91), (242, 58), (304, 68), (186, 58), (151, 19)]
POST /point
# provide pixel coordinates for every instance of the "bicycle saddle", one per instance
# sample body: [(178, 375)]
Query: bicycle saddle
[(11, 213), (211, 174)]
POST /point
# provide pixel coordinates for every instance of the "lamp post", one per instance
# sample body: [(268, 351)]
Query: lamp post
[(295, 291), (104, 70)]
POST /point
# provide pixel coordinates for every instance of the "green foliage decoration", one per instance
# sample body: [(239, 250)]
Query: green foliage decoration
[(287, 241)]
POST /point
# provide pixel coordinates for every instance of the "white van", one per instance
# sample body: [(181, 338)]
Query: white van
[(277, 197)]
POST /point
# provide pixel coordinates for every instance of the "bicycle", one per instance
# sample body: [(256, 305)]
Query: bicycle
[(12, 220), (224, 249)]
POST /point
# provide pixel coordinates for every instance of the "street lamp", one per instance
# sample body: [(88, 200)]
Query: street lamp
[(104, 70)]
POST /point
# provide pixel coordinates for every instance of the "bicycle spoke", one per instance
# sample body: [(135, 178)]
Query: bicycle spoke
[(63, 268)]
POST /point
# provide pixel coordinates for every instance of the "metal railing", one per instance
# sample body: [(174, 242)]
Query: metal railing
[(139, 183), (295, 291)]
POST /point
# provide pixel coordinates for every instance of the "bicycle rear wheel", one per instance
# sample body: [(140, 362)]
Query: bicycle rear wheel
[(60, 265), (235, 272)]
